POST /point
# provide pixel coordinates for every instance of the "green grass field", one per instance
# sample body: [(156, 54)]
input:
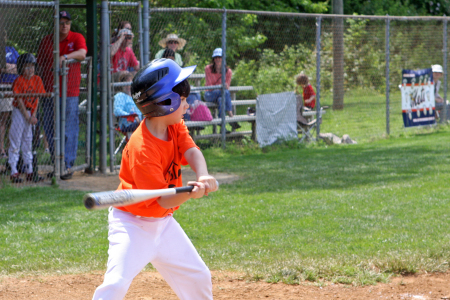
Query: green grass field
[(351, 214)]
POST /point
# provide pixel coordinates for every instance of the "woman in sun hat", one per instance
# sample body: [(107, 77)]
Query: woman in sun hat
[(173, 42)]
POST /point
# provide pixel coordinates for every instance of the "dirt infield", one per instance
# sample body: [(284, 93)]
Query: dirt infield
[(150, 285), (226, 285)]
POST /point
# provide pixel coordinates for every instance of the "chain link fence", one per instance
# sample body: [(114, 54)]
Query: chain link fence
[(277, 60), (342, 57), (32, 101), (24, 149), (125, 59)]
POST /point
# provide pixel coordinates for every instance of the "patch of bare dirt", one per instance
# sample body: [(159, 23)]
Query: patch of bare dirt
[(226, 285)]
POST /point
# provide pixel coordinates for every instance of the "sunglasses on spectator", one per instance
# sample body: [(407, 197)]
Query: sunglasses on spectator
[(65, 23), (129, 37), (172, 42)]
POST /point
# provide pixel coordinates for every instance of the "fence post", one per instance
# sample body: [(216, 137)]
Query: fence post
[(318, 34), (141, 46), (224, 68), (92, 43), (57, 110), (145, 39), (64, 71), (104, 83), (89, 116), (444, 111), (110, 95), (387, 75)]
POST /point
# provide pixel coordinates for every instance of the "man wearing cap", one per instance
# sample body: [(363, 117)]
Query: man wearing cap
[(173, 42), (72, 45)]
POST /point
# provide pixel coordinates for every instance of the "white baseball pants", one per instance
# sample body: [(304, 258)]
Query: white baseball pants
[(20, 138), (136, 241)]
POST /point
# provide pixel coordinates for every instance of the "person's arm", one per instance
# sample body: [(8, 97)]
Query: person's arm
[(120, 37), (78, 55), (10, 69), (197, 161), (23, 110), (33, 119), (115, 47), (313, 97), (205, 183)]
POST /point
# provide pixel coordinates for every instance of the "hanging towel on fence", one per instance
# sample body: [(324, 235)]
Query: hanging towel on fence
[(276, 118)]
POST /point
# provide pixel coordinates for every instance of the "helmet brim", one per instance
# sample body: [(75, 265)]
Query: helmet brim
[(185, 73)]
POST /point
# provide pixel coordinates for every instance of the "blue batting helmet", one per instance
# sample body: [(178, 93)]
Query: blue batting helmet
[(152, 86)]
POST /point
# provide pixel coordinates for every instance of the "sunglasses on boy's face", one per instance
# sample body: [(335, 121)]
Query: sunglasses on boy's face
[(129, 37), (62, 23), (172, 42)]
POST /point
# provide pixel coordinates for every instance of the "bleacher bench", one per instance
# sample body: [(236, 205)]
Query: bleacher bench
[(197, 126)]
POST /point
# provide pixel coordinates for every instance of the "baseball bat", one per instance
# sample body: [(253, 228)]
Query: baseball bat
[(103, 200)]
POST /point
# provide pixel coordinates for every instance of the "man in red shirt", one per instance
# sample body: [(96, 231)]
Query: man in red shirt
[(72, 45)]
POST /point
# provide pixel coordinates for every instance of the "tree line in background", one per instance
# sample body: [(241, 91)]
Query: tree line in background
[(259, 46)]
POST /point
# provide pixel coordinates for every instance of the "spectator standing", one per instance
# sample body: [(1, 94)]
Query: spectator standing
[(8, 75), (124, 106), (122, 56), (72, 45), (309, 96), (213, 76), (172, 41), (23, 116)]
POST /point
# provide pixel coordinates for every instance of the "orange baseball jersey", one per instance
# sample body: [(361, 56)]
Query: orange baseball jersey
[(151, 163), (33, 85)]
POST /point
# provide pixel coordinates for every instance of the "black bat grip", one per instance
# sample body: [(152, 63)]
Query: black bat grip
[(185, 189)]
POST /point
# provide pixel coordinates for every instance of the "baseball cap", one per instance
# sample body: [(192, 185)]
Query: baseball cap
[(217, 52), (437, 69), (64, 14)]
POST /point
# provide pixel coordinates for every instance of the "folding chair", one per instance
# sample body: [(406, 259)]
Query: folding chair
[(126, 135), (306, 128), (306, 125)]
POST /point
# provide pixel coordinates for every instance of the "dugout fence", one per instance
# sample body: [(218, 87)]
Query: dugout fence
[(354, 64)]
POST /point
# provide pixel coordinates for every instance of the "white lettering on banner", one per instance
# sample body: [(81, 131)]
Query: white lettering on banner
[(423, 119)]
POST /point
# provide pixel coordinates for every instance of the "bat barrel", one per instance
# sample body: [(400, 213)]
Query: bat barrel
[(89, 201)]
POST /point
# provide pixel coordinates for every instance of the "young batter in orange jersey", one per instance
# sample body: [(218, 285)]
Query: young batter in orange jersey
[(147, 232)]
